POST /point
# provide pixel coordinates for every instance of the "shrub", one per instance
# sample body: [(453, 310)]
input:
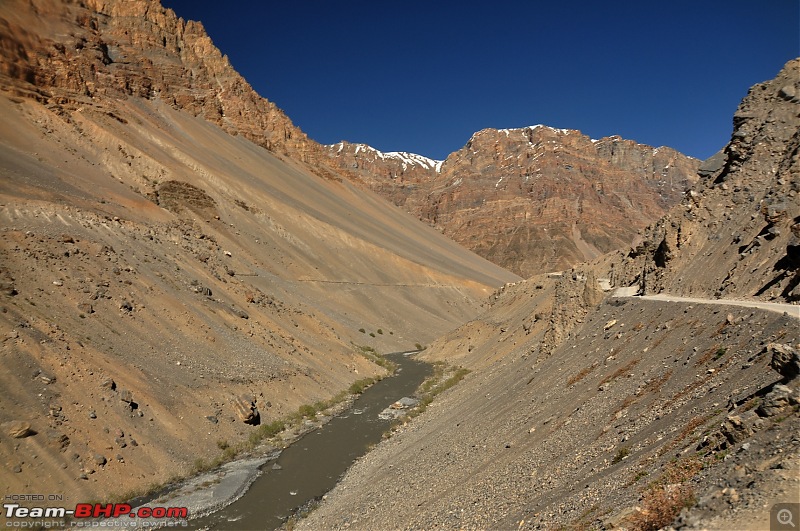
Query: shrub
[(622, 453), (307, 411), (661, 506)]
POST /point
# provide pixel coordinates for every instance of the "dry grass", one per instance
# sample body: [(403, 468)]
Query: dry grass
[(664, 498), (687, 430), (581, 375), (661, 506), (711, 352), (622, 371)]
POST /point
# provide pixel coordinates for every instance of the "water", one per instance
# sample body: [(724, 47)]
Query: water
[(312, 465)]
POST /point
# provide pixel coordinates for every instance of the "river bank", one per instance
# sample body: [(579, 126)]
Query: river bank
[(216, 498)]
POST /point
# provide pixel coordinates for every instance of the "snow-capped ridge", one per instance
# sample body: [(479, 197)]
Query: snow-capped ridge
[(407, 159)]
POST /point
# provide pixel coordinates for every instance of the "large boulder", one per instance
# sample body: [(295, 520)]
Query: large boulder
[(245, 406)]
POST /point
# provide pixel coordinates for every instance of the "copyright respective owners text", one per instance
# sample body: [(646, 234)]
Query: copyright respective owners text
[(784, 516), (50, 511)]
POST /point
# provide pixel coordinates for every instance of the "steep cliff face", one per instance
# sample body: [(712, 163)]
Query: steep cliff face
[(74, 53), (744, 216), (532, 199)]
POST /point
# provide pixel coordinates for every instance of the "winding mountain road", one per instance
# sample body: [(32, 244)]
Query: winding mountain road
[(789, 309)]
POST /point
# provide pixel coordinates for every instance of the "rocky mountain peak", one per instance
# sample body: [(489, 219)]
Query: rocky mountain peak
[(531, 199), (92, 52)]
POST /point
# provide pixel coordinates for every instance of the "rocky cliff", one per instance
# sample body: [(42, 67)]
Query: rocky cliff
[(743, 216), (533, 199), (73, 53)]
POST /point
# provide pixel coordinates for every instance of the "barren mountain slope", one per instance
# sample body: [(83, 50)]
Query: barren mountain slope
[(533, 200), (546, 186), (589, 411), (155, 269)]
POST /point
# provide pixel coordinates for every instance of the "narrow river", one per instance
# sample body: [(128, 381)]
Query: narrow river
[(312, 465)]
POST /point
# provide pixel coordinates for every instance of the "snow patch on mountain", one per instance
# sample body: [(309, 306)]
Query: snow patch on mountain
[(406, 159)]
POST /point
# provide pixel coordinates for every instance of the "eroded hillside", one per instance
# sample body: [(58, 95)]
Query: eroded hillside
[(162, 278)]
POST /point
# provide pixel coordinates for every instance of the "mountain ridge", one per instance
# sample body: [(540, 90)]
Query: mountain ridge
[(536, 221), (139, 48)]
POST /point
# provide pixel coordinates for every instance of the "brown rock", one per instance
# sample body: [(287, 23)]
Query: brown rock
[(533, 199), (18, 429), (785, 360), (245, 407)]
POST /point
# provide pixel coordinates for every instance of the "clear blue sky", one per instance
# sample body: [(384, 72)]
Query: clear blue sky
[(423, 76)]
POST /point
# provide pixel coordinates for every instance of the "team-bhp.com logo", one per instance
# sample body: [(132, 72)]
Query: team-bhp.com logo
[(14, 511)]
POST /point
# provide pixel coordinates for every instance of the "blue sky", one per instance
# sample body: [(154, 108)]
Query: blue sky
[(423, 76)]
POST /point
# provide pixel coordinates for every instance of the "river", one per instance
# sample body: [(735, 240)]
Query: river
[(313, 464)]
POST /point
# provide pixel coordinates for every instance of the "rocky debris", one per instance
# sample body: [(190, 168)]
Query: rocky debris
[(177, 196), (398, 408), (246, 409), (712, 165), (7, 283), (86, 307), (238, 312), (18, 429), (58, 440)]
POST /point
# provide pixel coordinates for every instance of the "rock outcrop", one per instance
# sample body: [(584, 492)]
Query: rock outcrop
[(743, 216), (90, 53)]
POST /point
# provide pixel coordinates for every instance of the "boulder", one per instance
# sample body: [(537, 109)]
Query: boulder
[(785, 360), (245, 407), (776, 402), (18, 429)]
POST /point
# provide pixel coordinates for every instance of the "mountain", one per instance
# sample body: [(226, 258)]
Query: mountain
[(534, 199), (163, 276), (526, 199), (678, 409)]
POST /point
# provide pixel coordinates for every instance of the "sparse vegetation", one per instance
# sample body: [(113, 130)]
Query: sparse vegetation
[(581, 375), (622, 371), (443, 378), (622, 453), (715, 352), (359, 386), (660, 506), (664, 498)]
